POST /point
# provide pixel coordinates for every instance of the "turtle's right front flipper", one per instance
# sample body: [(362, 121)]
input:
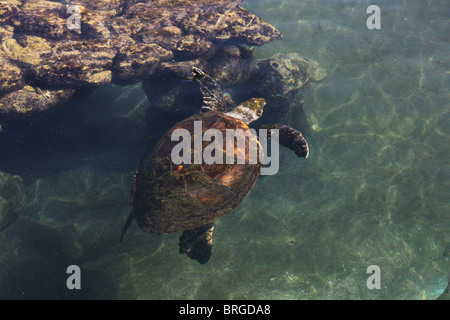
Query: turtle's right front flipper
[(197, 243), (290, 138), (212, 93)]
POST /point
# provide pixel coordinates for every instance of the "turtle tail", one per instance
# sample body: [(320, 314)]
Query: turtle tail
[(126, 226)]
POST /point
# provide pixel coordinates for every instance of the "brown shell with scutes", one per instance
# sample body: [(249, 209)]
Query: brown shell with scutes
[(169, 198)]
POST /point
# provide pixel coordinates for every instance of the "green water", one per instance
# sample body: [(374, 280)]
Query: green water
[(374, 191)]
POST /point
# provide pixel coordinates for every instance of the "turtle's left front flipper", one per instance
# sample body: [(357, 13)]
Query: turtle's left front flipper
[(197, 243), (212, 92), (289, 138)]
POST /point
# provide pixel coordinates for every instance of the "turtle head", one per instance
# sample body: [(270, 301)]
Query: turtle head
[(249, 110)]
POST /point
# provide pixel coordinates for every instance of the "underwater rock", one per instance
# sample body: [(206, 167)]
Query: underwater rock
[(8, 8), (85, 205), (12, 76), (446, 252), (135, 62), (228, 65), (283, 74), (12, 197), (234, 68), (33, 99), (120, 41)]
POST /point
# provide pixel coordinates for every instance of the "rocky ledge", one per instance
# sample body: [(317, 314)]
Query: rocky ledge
[(44, 60)]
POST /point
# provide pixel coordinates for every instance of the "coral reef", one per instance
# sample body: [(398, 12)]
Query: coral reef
[(43, 62), (12, 198)]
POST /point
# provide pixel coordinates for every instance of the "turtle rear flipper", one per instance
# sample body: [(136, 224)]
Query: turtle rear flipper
[(197, 243), (290, 138)]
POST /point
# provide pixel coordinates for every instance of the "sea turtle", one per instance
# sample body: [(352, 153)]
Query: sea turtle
[(167, 197)]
